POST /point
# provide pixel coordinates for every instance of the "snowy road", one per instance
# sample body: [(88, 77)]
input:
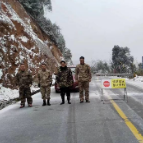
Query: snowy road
[(75, 123)]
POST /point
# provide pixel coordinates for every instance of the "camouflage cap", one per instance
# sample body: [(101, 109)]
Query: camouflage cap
[(81, 57)]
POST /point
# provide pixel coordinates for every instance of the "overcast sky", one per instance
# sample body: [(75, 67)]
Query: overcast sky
[(91, 28)]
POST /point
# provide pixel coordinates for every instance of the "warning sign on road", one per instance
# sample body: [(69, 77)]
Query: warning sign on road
[(114, 83), (106, 83), (118, 83)]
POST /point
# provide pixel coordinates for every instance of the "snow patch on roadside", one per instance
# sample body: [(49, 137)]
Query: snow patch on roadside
[(137, 82), (138, 78), (138, 97), (7, 93)]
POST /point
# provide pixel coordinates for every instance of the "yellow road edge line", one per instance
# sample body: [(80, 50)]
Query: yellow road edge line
[(130, 125)]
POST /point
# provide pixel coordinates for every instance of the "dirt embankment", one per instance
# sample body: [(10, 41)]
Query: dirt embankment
[(21, 40)]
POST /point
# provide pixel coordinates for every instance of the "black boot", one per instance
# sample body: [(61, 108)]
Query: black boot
[(63, 100), (69, 102), (44, 102), (48, 102), (68, 98), (87, 101), (63, 95), (62, 103)]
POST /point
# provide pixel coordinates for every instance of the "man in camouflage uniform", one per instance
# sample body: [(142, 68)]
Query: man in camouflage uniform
[(45, 82), (83, 76), (64, 80), (24, 82)]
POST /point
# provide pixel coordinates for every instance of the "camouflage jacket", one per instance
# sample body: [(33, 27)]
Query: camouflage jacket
[(64, 77), (83, 73), (45, 78), (23, 79)]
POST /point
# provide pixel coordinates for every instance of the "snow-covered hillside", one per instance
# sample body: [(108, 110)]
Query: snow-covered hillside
[(21, 40)]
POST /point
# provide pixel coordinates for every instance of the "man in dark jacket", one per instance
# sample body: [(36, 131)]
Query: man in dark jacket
[(65, 80), (24, 82)]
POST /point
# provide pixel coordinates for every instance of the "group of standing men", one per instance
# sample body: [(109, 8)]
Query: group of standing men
[(64, 80)]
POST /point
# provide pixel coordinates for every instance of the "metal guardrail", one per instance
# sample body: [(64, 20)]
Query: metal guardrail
[(114, 74)]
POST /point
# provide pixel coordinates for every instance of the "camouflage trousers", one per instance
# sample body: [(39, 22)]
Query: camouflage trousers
[(45, 92), (25, 93), (84, 86)]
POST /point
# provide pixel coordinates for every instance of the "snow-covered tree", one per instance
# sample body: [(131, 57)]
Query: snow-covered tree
[(67, 55), (100, 67), (122, 61), (53, 31), (35, 7)]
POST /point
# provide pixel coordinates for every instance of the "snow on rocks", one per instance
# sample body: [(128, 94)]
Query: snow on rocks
[(5, 19), (1, 73), (27, 28), (0, 59), (24, 39), (12, 37), (51, 47)]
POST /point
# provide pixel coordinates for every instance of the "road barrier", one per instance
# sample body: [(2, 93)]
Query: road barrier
[(119, 83)]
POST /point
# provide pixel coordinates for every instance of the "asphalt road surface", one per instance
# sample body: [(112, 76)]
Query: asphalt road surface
[(92, 122)]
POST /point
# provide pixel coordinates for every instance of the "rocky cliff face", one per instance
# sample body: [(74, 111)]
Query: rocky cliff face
[(21, 40)]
